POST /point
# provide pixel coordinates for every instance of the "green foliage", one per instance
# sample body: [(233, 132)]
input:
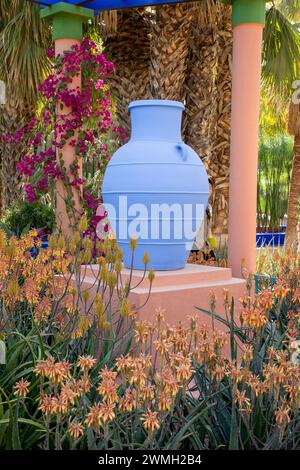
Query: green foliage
[(24, 216), (281, 48), (24, 41), (274, 109), (274, 168), (290, 8)]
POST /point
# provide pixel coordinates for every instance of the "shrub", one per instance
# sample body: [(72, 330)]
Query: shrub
[(24, 216), (274, 168)]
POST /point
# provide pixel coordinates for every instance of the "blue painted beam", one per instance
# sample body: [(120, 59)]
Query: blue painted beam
[(100, 5)]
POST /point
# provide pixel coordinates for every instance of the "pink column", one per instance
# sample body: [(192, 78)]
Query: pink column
[(246, 75), (68, 152), (67, 20)]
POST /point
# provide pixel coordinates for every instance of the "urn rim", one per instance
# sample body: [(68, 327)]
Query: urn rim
[(166, 103)]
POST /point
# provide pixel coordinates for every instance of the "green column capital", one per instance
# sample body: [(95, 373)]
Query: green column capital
[(66, 19), (247, 11)]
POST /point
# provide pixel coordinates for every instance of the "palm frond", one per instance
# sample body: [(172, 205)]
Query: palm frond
[(290, 9), (281, 52), (24, 39)]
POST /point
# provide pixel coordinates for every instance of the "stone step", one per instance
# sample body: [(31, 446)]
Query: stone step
[(191, 274)]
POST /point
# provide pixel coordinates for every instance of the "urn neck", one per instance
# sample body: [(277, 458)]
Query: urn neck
[(156, 120)]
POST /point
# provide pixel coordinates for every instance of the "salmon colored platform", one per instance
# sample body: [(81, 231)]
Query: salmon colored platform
[(179, 292)]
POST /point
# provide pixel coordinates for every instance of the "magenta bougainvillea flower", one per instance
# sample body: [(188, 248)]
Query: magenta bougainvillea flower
[(85, 115)]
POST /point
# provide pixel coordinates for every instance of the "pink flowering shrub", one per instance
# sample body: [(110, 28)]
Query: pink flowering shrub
[(79, 117)]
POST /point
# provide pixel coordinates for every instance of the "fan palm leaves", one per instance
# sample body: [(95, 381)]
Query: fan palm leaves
[(24, 39), (281, 49)]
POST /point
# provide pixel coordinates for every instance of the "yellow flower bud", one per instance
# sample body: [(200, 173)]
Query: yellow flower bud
[(101, 261), (83, 324), (133, 243), (13, 289), (72, 248), (87, 255), (2, 240), (112, 280), (103, 324), (98, 246), (110, 257), (113, 243), (78, 264), (76, 238), (146, 258), (98, 301), (119, 255), (53, 242), (85, 295), (11, 248), (151, 275), (105, 245), (125, 310), (33, 233), (86, 242), (99, 308), (73, 291), (61, 243), (126, 287), (118, 267), (83, 224), (104, 273)]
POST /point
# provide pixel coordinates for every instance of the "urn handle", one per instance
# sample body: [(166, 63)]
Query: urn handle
[(182, 149)]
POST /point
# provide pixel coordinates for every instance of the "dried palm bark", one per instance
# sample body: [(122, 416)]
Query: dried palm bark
[(220, 151), (128, 47), (14, 116), (200, 89), (208, 103), (170, 37), (293, 220)]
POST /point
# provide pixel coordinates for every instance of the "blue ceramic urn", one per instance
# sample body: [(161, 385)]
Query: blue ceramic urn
[(155, 188)]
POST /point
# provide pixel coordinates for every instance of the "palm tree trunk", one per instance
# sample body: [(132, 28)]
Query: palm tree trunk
[(220, 155), (292, 229), (170, 36), (128, 47), (200, 85), (207, 122), (14, 117)]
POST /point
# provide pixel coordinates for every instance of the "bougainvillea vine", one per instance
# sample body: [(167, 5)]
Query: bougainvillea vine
[(77, 116)]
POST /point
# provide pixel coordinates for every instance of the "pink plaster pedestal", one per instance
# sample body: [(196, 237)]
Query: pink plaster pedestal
[(179, 292)]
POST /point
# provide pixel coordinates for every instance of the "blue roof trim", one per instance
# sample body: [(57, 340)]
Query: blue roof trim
[(100, 5)]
